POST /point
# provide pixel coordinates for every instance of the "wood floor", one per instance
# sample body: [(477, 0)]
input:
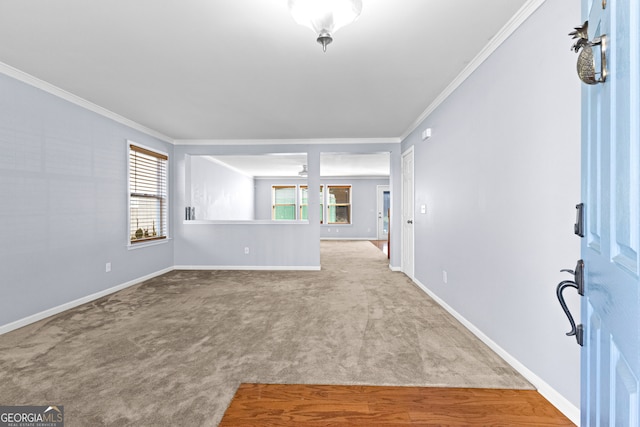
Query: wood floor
[(330, 405), (383, 245)]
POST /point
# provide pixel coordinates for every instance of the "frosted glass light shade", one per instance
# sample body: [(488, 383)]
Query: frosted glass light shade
[(325, 17)]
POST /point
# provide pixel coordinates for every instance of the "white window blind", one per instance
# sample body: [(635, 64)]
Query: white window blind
[(147, 195)]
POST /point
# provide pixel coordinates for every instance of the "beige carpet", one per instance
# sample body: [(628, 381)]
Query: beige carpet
[(172, 351)]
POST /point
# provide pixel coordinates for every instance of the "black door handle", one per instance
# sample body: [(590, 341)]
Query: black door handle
[(575, 330), (578, 275)]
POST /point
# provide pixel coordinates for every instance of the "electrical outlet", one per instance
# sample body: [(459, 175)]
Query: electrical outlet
[(445, 277), (246, 250), (107, 267)]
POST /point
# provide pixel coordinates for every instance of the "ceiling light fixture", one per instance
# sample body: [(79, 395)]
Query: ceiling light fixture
[(325, 17)]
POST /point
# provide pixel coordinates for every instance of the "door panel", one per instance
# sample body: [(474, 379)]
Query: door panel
[(594, 176), (624, 150), (596, 356), (407, 214), (611, 248), (625, 392)]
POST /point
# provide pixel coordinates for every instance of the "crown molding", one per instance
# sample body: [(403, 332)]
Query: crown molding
[(323, 178), (224, 165), (74, 99), (81, 102), (316, 141), (510, 27), (514, 23)]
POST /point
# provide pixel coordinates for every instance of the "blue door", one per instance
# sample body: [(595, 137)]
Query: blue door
[(610, 359)]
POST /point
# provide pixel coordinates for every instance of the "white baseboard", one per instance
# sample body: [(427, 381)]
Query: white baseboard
[(556, 399), (249, 267), (395, 268), (72, 304), (349, 238), (69, 305)]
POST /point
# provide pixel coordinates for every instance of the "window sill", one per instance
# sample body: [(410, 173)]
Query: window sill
[(147, 244), (245, 222)]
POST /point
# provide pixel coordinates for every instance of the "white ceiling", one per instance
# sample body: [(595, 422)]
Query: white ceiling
[(290, 164), (243, 69)]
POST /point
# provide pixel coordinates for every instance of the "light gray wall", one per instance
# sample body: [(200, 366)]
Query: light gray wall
[(63, 186), (218, 192), (364, 205), (206, 245), (500, 177), (275, 244), (63, 209)]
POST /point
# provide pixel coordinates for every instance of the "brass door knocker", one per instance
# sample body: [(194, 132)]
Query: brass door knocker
[(586, 65)]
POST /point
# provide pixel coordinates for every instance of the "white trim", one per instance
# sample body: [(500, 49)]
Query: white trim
[(394, 268), (364, 239), (249, 267), (325, 214), (310, 141), (75, 303), (510, 27), (168, 200), (281, 177), (86, 299), (245, 222), (408, 151), (298, 202), (74, 99), (140, 245), (325, 177), (554, 397)]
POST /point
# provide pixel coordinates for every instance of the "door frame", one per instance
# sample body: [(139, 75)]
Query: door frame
[(407, 238), (380, 190)]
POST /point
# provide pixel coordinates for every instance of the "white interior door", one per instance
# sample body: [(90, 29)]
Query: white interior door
[(384, 200), (407, 213)]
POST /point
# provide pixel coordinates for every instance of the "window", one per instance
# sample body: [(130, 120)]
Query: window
[(147, 195), (339, 204), (290, 202), (284, 202), (304, 203)]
